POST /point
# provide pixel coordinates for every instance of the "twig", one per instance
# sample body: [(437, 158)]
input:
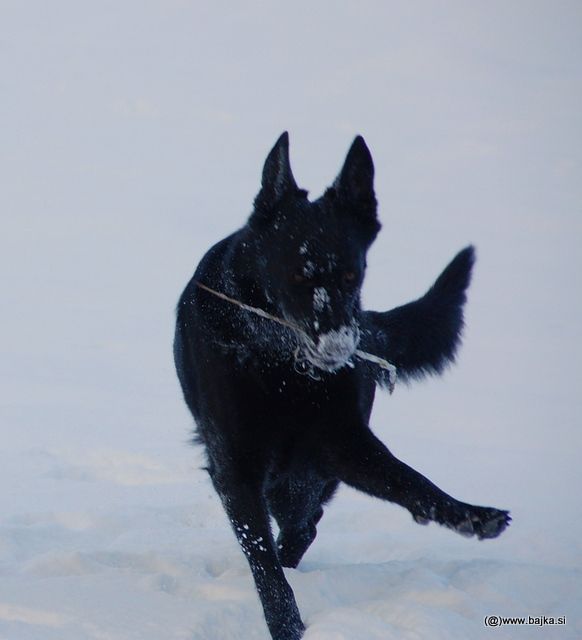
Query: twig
[(363, 355)]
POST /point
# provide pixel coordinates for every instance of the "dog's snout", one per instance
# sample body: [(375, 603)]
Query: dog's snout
[(333, 318), (341, 338), (332, 349)]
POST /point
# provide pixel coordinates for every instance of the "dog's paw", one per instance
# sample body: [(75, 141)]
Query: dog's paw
[(292, 544), (483, 522)]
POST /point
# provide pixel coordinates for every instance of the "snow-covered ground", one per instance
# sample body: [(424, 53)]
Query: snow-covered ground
[(132, 137)]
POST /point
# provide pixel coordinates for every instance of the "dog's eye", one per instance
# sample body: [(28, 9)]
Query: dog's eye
[(299, 278), (349, 277)]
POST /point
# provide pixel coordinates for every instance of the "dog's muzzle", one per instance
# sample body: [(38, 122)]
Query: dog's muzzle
[(331, 350)]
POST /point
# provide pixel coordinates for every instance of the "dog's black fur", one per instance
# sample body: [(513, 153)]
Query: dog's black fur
[(284, 414)]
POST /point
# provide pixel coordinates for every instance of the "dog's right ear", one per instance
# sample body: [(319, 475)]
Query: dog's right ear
[(354, 187), (278, 180), (355, 183)]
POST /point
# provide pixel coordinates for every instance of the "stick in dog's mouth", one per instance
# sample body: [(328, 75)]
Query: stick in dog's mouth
[(308, 357)]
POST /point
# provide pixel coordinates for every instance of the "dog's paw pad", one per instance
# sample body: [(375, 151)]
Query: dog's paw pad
[(483, 522), (421, 519), (493, 524), (465, 527)]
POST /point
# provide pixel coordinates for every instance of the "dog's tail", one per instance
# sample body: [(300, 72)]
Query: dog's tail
[(422, 337)]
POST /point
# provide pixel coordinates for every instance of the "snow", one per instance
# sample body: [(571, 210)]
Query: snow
[(308, 269), (320, 299), (133, 137), (338, 343)]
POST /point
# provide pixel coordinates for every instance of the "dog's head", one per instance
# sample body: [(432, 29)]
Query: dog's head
[(312, 255)]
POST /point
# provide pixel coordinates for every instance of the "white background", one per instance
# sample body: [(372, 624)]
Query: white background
[(132, 136)]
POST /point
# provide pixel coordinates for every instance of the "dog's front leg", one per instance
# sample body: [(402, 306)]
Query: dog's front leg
[(363, 461), (246, 509)]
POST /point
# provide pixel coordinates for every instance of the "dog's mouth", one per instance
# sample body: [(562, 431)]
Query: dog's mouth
[(332, 350)]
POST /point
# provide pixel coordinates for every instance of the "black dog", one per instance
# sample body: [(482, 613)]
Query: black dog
[(282, 407)]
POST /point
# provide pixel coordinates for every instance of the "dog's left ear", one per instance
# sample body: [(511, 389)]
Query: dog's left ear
[(355, 182), (277, 181)]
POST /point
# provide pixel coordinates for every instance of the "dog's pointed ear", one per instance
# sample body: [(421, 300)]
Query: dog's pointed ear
[(355, 182), (277, 179)]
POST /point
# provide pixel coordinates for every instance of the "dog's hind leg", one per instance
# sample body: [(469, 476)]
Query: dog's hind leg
[(362, 461), (297, 506), (245, 506)]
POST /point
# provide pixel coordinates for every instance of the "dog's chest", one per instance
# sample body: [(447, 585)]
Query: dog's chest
[(300, 400)]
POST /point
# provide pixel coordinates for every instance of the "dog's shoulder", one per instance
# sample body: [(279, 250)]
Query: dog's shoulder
[(229, 269)]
